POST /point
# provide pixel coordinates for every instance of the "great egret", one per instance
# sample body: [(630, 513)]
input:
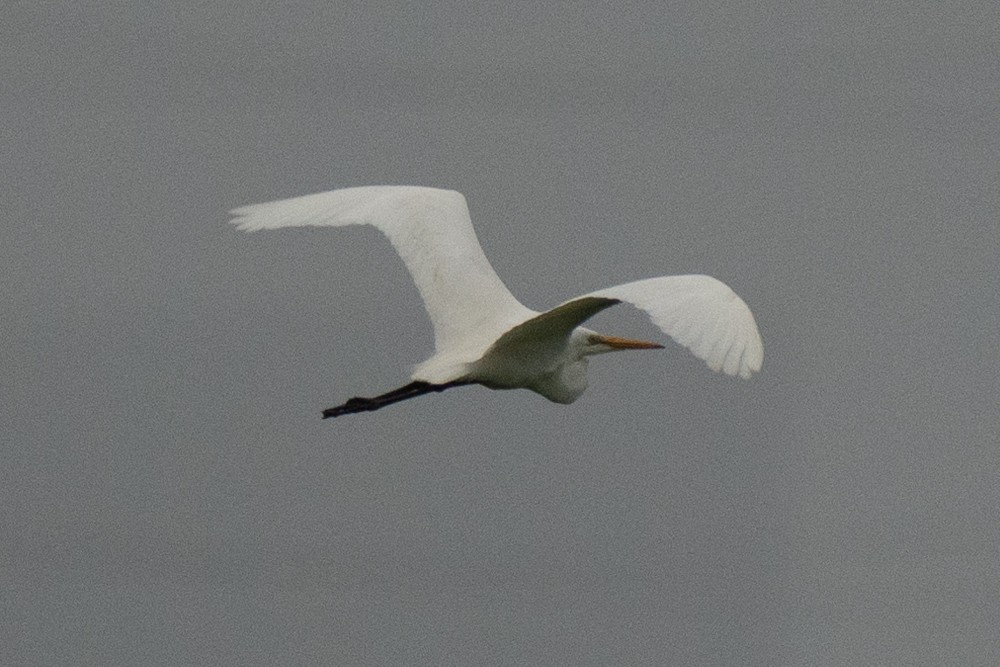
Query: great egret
[(482, 334)]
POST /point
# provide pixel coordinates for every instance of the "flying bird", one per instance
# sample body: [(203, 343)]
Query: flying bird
[(482, 334)]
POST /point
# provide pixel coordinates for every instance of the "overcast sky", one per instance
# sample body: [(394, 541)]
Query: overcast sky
[(169, 494)]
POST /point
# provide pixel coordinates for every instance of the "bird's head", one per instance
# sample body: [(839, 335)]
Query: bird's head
[(592, 343)]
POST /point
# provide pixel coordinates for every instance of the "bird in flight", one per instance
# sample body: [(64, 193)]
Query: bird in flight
[(482, 334)]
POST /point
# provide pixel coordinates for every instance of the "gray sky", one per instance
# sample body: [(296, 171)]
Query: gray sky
[(169, 494)]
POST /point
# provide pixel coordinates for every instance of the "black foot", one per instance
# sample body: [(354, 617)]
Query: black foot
[(356, 404)]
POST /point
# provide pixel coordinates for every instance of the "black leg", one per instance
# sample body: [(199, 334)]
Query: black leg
[(412, 390)]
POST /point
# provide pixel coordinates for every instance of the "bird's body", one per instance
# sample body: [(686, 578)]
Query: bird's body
[(482, 334)]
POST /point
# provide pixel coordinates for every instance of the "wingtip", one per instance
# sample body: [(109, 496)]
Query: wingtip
[(752, 365), (241, 220)]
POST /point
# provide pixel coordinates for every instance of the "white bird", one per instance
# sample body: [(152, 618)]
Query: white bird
[(482, 334)]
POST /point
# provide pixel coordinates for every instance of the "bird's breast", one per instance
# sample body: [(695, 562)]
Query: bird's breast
[(560, 381)]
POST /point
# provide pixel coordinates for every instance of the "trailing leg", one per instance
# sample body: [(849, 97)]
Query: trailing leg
[(412, 390)]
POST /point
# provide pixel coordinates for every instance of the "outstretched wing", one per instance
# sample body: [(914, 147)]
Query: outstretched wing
[(699, 312), (432, 232)]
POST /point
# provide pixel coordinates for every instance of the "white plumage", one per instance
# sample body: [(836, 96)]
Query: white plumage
[(482, 334)]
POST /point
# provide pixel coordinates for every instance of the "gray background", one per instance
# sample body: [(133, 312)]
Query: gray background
[(169, 494)]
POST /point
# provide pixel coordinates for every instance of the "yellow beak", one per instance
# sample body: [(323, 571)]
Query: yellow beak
[(625, 343)]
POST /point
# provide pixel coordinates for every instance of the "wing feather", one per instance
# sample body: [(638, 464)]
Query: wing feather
[(702, 314), (432, 232), (552, 328)]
